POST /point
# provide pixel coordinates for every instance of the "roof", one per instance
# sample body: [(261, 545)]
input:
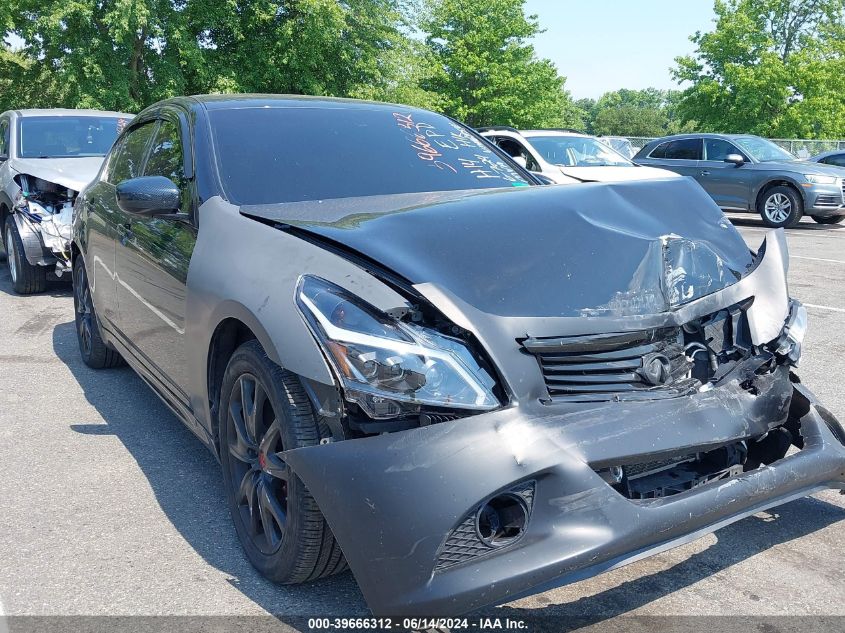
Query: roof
[(530, 133), (700, 135), (69, 112), (831, 152), (229, 101)]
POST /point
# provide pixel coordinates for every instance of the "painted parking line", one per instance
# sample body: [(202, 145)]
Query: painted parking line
[(818, 307), (823, 233), (818, 259)]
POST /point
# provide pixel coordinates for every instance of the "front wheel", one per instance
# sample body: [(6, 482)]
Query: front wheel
[(264, 411), (831, 219), (26, 278), (96, 353), (780, 207)]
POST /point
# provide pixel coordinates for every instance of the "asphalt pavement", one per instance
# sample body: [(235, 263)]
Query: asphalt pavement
[(109, 506)]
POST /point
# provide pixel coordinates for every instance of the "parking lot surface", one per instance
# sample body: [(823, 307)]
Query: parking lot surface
[(109, 506)]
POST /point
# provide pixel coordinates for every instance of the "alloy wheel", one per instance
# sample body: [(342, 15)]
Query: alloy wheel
[(778, 207), (84, 310), (10, 255), (258, 475)]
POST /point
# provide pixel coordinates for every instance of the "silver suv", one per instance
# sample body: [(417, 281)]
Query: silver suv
[(748, 173), (46, 158)]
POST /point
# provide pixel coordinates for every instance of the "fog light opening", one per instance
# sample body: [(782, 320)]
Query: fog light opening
[(501, 520)]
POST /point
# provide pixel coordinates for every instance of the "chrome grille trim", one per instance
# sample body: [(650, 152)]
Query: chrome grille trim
[(611, 366)]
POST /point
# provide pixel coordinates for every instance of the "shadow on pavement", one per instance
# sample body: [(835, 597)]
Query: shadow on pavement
[(185, 478)]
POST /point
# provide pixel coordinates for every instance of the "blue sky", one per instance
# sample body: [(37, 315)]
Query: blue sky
[(603, 45)]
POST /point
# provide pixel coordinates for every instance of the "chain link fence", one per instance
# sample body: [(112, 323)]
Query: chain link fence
[(802, 148)]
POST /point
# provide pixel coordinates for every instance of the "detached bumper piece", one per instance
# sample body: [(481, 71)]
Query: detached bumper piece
[(445, 519)]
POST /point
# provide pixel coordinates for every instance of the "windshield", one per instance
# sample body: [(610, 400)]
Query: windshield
[(67, 136), (295, 154), (578, 151), (763, 150)]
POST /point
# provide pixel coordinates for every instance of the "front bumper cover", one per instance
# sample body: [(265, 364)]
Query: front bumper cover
[(393, 499)]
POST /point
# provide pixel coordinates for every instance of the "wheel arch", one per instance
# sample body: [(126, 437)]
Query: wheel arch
[(778, 182), (235, 325)]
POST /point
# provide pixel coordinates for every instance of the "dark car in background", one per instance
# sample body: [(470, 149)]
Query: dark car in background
[(410, 359), (748, 173), (835, 157)]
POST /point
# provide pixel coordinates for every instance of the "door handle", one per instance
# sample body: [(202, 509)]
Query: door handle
[(705, 173)]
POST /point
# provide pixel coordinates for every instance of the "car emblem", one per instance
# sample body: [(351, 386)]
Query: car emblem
[(656, 369)]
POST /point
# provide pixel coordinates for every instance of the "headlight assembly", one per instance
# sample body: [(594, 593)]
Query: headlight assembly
[(789, 343), (383, 361), (818, 179)]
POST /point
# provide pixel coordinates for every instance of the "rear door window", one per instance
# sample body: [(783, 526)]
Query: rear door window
[(683, 149)]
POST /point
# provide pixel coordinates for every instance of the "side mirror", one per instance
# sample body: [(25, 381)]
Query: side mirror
[(148, 195), (520, 160), (736, 159)]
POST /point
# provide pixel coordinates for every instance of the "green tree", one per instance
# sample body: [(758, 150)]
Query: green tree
[(629, 120), (321, 47), (770, 67), (126, 54), (648, 112), (487, 71)]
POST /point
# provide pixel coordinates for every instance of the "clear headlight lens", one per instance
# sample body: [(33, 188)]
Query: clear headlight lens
[(380, 359), (818, 179)]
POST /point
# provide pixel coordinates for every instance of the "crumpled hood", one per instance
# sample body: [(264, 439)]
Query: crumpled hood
[(73, 173), (617, 174), (582, 250)]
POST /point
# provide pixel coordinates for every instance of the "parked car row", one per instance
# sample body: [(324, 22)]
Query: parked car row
[(413, 360)]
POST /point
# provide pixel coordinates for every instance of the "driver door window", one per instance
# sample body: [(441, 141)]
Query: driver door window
[(166, 159), (515, 149), (130, 158), (717, 149)]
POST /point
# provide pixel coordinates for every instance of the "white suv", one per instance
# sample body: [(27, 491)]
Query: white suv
[(567, 156)]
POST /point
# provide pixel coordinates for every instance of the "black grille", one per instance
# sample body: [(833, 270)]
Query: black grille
[(613, 366)]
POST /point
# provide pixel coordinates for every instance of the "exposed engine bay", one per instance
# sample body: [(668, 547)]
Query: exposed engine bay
[(47, 209)]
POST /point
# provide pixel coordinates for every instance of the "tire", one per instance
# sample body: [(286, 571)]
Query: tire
[(831, 219), (26, 278), (96, 353), (780, 206), (264, 410)]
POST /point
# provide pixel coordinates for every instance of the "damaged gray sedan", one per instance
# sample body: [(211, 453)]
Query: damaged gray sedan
[(412, 360)]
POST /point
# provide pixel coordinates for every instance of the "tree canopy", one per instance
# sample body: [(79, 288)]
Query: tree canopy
[(487, 72), (770, 67), (471, 59)]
